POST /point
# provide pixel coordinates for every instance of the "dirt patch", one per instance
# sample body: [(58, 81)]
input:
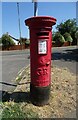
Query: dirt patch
[(62, 102)]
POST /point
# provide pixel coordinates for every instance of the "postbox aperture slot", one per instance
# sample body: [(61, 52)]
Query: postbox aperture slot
[(42, 46), (42, 33)]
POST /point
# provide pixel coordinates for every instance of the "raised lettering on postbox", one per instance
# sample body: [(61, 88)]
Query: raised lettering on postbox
[(42, 71)]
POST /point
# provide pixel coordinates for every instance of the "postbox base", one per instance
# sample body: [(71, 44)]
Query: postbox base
[(39, 95)]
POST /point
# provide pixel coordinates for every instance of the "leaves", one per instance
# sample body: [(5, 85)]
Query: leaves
[(68, 37), (76, 35), (69, 26), (58, 38), (6, 40)]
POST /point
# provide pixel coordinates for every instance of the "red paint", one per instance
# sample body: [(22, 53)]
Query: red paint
[(40, 30)]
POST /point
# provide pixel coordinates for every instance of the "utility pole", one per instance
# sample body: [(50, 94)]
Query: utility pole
[(19, 22), (35, 7)]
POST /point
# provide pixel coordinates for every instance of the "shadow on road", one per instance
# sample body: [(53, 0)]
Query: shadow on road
[(15, 96), (66, 55), (4, 83), (15, 85)]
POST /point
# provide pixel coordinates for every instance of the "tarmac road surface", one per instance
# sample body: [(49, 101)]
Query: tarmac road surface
[(66, 57), (12, 63)]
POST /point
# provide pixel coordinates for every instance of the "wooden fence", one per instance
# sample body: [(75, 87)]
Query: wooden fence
[(16, 47)]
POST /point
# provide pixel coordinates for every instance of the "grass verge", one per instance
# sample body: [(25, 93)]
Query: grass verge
[(62, 100), (12, 110)]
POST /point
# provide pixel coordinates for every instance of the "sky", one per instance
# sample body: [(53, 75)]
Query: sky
[(62, 11)]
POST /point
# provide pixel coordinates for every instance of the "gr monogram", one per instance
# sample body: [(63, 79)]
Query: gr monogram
[(42, 71)]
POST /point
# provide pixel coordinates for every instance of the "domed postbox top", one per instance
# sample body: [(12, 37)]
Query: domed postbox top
[(40, 21)]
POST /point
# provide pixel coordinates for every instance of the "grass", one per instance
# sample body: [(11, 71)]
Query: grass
[(13, 110), (61, 103), (18, 79), (62, 98)]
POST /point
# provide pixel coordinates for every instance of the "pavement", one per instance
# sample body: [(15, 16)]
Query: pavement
[(14, 61)]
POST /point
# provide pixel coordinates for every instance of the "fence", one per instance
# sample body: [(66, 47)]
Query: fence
[(16, 47)]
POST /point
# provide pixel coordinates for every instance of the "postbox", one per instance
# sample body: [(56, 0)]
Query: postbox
[(40, 57)]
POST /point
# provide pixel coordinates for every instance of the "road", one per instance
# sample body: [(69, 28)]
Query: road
[(14, 61), (65, 57)]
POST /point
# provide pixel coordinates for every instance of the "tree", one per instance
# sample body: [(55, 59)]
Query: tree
[(58, 38), (68, 37), (76, 36), (69, 26), (23, 40), (0, 41), (7, 41)]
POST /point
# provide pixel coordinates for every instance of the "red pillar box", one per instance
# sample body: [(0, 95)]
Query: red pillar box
[(40, 57)]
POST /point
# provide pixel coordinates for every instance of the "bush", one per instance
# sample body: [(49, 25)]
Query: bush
[(23, 40), (76, 35), (7, 41), (58, 38), (68, 37), (28, 42)]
